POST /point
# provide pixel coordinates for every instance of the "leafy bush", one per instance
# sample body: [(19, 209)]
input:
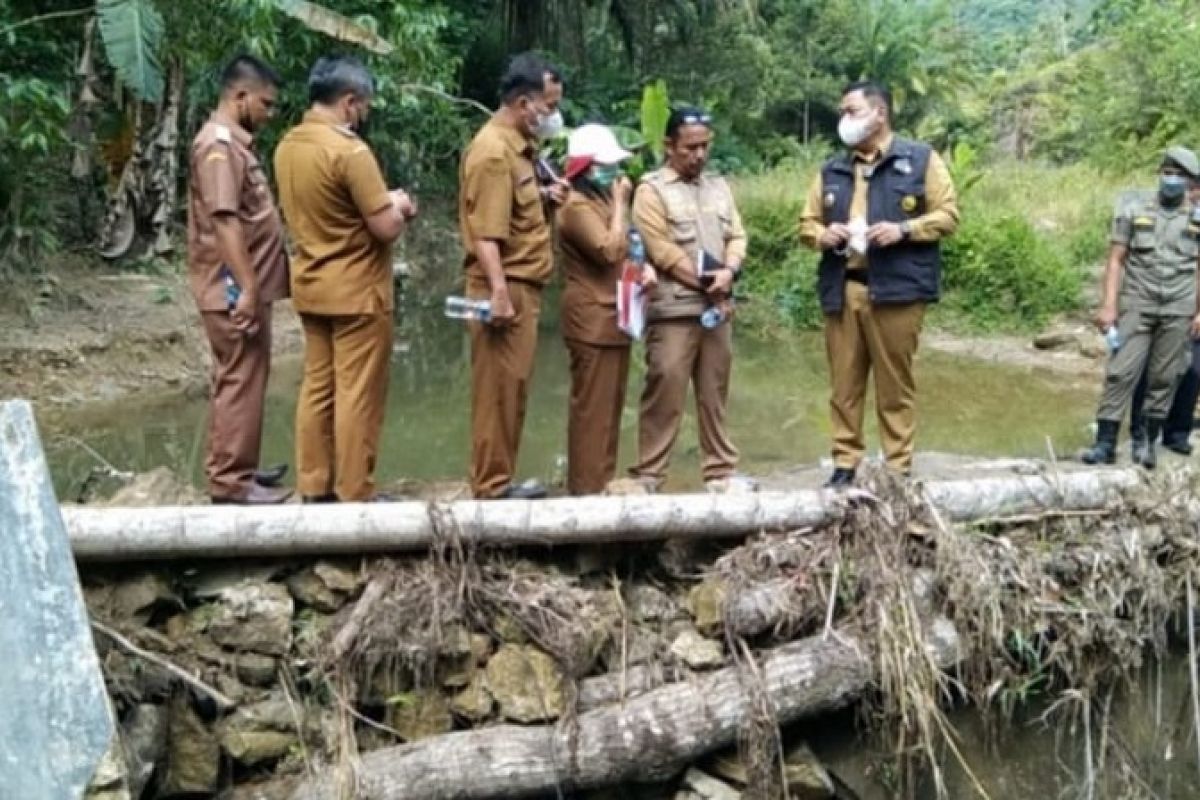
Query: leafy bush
[(781, 276), (999, 273)]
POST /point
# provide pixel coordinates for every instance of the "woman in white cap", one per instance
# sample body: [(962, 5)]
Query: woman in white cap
[(593, 228)]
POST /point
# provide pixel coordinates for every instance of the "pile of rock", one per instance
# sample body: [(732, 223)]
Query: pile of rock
[(259, 636)]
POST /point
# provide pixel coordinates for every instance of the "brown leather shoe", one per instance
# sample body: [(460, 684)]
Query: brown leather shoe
[(255, 496)]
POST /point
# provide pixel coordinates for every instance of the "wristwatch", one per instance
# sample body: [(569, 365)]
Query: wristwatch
[(906, 229)]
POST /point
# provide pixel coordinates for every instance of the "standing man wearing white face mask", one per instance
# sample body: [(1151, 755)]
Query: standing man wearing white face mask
[(509, 259), (877, 214), (549, 126)]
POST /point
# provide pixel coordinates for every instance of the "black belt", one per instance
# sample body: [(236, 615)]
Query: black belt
[(857, 276)]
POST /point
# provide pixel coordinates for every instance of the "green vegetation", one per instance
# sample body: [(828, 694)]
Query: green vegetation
[(1048, 106)]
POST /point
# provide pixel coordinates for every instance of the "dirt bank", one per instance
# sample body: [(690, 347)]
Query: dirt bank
[(86, 336)]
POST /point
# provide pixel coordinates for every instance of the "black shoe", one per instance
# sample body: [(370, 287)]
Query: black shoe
[(529, 490), (319, 498), (840, 479), (1178, 445), (271, 476), (1149, 458), (1104, 451)]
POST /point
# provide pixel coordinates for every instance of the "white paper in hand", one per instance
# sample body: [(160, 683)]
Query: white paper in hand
[(631, 302)]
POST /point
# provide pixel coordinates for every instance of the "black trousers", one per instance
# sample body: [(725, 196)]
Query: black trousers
[(1181, 417)]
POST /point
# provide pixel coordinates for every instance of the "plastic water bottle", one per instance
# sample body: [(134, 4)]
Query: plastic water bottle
[(712, 318), (233, 292), (637, 248), (1112, 337), (464, 308)]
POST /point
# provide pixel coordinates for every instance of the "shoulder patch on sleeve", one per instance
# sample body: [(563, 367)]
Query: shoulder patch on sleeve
[(215, 155), (223, 134)]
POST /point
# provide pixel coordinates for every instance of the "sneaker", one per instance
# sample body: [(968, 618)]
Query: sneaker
[(734, 484)]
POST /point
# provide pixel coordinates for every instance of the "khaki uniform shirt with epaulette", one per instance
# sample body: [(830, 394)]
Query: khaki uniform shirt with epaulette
[(226, 177), (678, 219), (329, 184), (498, 200), (1160, 268)]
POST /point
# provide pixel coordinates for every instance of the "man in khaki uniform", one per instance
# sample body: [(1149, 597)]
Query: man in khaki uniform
[(1151, 297), (237, 268), (686, 216), (877, 214), (508, 260), (343, 221)]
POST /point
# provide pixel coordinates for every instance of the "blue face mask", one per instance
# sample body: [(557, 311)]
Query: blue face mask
[(604, 175), (1171, 189)]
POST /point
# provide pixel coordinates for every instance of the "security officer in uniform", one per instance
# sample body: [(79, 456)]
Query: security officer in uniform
[(1150, 295), (687, 217), (1181, 418), (877, 214), (343, 221), (237, 267), (506, 236)]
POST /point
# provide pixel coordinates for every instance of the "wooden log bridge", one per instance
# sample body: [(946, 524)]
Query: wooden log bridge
[(128, 534)]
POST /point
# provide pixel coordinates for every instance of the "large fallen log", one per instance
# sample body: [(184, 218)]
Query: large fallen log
[(649, 738), (122, 534)]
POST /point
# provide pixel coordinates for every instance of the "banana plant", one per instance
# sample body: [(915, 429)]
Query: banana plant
[(133, 33)]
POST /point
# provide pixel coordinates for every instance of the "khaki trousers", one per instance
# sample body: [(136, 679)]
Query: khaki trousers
[(501, 369), (598, 377), (860, 340), (679, 352), (1162, 340), (238, 387), (342, 398)]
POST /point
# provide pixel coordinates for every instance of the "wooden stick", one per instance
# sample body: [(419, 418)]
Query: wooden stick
[(177, 671)]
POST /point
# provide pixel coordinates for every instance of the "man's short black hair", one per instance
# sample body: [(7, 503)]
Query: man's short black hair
[(525, 76), (687, 115), (873, 92), (248, 68), (334, 77), (555, 72)]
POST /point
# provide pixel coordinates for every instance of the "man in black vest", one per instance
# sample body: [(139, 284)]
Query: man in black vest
[(877, 214)]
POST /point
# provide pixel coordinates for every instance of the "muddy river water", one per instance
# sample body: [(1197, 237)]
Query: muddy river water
[(778, 412)]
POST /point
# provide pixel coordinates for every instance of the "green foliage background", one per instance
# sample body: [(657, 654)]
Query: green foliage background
[(1046, 106)]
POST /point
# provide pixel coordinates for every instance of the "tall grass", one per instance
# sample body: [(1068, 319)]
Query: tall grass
[(1030, 234)]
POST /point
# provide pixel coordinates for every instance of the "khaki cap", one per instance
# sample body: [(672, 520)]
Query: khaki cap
[(1185, 159)]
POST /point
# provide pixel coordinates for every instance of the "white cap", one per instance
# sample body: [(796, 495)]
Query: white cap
[(598, 143)]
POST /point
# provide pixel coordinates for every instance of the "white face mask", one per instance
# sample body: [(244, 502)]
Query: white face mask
[(855, 130), (549, 125)]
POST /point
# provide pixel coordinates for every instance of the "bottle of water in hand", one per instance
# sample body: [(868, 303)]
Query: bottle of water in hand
[(712, 318), (637, 248), (465, 308), (1112, 337)]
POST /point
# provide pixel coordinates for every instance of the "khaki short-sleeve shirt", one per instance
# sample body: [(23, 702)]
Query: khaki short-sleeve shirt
[(1160, 268), (329, 184), (498, 199), (226, 178)]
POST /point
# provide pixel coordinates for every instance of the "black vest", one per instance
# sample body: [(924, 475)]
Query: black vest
[(907, 272)]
